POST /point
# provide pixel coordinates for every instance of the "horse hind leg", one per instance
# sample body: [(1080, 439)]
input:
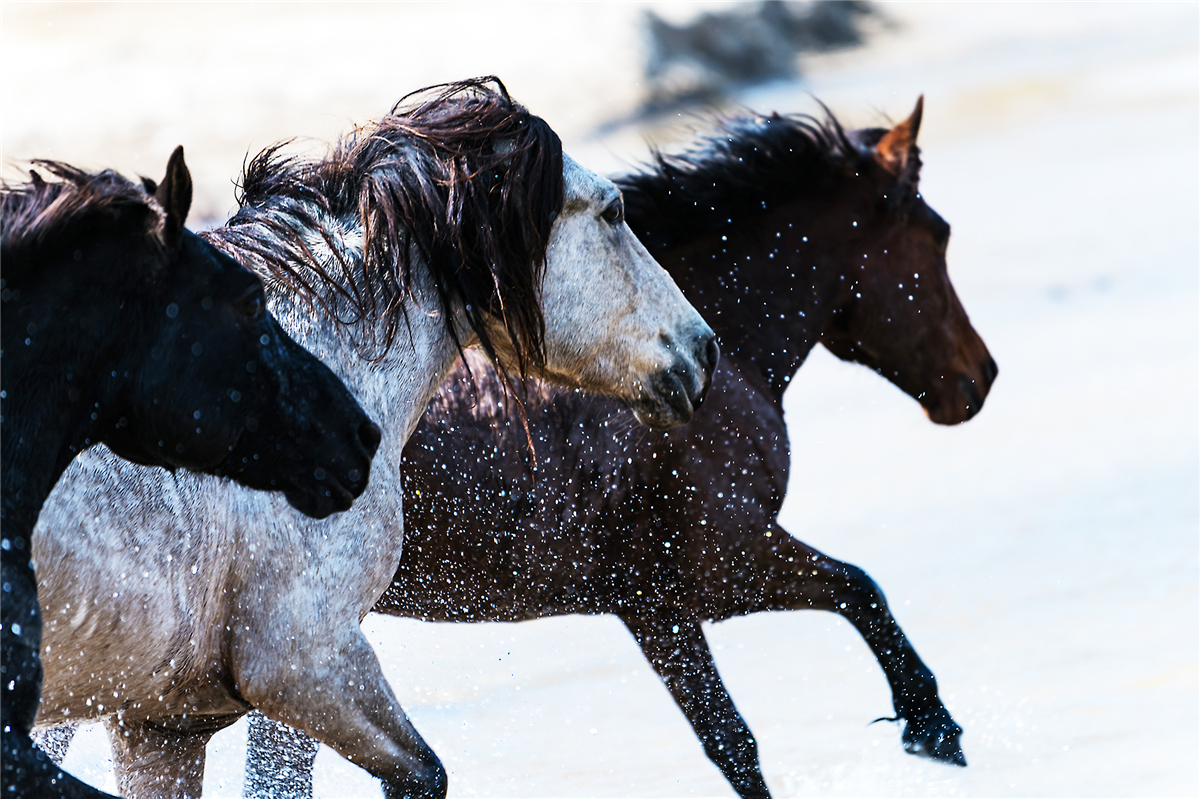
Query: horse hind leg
[(804, 578), (675, 646), (279, 760)]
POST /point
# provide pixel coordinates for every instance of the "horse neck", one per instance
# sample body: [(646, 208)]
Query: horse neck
[(38, 446), (767, 297), (395, 387), (50, 390)]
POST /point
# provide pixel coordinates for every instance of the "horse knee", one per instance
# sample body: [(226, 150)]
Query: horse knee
[(731, 743), (436, 780), (734, 751), (855, 592), (737, 750)]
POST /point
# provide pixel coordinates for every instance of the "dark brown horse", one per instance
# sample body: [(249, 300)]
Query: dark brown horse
[(784, 232)]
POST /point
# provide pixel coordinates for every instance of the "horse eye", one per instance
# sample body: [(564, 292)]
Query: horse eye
[(614, 214), (252, 307)]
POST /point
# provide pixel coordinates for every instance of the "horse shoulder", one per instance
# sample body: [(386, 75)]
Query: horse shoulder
[(740, 431)]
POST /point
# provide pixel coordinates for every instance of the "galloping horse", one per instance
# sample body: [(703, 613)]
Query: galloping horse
[(123, 328), (456, 219), (784, 232)]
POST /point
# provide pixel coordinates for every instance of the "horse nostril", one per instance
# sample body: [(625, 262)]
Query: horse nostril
[(711, 354), (369, 435), (967, 386), (990, 370)]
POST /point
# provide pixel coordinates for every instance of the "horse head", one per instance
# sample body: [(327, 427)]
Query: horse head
[(528, 251), (599, 313), (222, 389), (616, 323), (896, 310)]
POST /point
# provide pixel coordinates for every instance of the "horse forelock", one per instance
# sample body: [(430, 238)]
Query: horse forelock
[(466, 178), (41, 213), (748, 167)]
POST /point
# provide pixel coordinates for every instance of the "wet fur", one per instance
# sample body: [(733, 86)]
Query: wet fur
[(123, 328), (235, 602), (490, 541)]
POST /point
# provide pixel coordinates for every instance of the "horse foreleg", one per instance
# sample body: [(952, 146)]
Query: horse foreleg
[(25, 770), (801, 577), (279, 760), (336, 692), (675, 646), (151, 761)]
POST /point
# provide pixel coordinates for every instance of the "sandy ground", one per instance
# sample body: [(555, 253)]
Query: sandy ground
[(1044, 557)]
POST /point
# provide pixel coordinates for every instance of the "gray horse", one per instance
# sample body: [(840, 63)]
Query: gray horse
[(450, 222)]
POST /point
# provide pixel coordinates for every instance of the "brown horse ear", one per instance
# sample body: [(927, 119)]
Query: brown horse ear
[(174, 194), (898, 145)]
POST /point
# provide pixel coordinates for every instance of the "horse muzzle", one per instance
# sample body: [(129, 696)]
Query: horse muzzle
[(964, 397), (320, 471), (677, 392), (338, 479)]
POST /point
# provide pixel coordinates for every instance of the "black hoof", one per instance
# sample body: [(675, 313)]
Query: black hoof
[(934, 735)]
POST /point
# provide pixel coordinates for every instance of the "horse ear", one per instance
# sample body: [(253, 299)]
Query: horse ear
[(898, 145), (174, 194), (150, 186)]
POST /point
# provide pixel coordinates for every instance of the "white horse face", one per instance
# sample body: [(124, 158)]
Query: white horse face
[(615, 321)]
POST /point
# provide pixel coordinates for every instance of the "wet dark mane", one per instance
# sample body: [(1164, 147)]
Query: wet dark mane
[(43, 213), (466, 178), (747, 168)]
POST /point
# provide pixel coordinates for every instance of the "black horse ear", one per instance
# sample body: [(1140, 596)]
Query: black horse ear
[(898, 145), (174, 194), (149, 186)]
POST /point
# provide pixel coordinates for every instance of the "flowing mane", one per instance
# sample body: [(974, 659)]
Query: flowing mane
[(38, 213), (466, 180), (747, 168)]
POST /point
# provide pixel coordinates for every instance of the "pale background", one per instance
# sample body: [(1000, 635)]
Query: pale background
[(1043, 557)]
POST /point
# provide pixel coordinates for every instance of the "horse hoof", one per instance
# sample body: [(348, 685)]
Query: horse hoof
[(936, 736)]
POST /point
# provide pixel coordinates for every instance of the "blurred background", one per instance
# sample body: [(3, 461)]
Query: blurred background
[(1044, 557)]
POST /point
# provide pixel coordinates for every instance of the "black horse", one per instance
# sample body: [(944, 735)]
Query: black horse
[(783, 232), (121, 327)]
